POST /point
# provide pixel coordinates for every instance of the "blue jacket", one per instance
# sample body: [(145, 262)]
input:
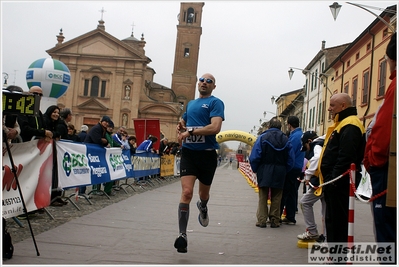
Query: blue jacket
[(145, 146), (271, 158), (295, 139), (117, 138)]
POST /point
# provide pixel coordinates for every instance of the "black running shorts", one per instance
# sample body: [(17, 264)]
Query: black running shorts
[(200, 163)]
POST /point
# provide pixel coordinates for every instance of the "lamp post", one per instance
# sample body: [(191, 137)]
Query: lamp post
[(313, 111), (291, 73), (335, 8), (5, 77), (273, 98), (265, 113), (264, 116)]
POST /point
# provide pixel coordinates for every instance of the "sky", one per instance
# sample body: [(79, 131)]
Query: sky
[(248, 46)]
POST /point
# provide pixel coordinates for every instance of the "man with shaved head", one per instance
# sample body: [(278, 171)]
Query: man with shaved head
[(197, 131), (344, 145), (36, 89)]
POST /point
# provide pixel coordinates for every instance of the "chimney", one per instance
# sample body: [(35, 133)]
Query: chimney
[(323, 45)]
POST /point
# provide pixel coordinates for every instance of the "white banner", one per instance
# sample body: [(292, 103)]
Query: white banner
[(34, 164), (87, 164)]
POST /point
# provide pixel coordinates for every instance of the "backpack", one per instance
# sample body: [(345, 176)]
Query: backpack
[(8, 248)]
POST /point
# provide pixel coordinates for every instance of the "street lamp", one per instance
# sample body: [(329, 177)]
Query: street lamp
[(265, 113), (264, 117), (291, 73), (273, 98), (5, 77), (335, 8)]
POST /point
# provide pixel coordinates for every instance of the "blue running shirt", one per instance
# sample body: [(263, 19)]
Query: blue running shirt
[(198, 115)]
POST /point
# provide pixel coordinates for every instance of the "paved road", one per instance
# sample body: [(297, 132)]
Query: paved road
[(142, 228)]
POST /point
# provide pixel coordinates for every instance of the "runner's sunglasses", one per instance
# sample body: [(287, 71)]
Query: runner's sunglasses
[(207, 80)]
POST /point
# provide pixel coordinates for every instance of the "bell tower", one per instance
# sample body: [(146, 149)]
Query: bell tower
[(184, 76)]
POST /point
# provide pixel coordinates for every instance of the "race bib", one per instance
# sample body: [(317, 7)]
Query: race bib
[(195, 139)]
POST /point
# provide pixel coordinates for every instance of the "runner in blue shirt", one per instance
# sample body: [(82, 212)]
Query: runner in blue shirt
[(197, 131)]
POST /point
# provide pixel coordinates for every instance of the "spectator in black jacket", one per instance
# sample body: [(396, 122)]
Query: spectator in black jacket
[(96, 135), (132, 143), (51, 119), (72, 133), (65, 118)]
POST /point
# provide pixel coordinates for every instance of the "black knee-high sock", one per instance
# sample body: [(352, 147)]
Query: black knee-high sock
[(183, 212), (204, 202)]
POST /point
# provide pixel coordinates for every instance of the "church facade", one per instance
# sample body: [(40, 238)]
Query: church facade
[(112, 77)]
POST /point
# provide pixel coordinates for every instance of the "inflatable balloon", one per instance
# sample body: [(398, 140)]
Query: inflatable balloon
[(51, 75), (235, 135)]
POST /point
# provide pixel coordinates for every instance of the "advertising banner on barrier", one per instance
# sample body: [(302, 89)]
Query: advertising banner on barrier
[(34, 165), (88, 164), (145, 164), (167, 165)]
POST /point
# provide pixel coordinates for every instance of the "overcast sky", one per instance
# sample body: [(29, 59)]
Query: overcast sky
[(247, 45)]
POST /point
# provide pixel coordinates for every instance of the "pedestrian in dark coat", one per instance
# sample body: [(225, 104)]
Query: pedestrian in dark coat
[(271, 158), (83, 132)]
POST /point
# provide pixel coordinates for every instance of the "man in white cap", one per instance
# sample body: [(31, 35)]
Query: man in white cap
[(83, 132)]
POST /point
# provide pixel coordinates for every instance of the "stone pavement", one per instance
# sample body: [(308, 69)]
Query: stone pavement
[(142, 228)]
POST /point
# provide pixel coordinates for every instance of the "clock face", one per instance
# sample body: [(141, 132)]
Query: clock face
[(21, 104)]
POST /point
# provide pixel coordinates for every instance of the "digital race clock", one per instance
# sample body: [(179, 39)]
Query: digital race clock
[(21, 104)]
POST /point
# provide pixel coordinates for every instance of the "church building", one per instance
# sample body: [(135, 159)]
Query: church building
[(112, 77)]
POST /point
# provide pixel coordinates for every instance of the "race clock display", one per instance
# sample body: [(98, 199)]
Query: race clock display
[(21, 104)]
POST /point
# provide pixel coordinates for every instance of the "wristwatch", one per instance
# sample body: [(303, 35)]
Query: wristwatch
[(190, 130)]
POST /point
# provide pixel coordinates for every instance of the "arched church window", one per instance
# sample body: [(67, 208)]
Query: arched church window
[(94, 86), (103, 87), (95, 83), (186, 52), (86, 87)]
